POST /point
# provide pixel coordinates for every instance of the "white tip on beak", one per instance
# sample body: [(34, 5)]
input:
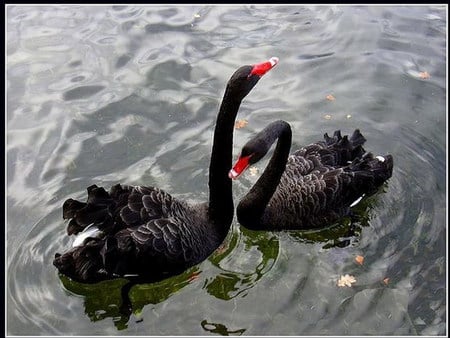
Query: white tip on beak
[(232, 174), (274, 60)]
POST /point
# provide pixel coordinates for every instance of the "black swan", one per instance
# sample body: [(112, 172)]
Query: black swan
[(144, 231), (311, 188)]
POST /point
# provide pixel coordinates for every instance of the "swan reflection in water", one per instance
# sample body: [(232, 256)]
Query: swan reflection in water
[(120, 299), (347, 231), (220, 329), (229, 276)]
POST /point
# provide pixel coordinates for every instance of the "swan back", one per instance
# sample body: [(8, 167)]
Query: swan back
[(318, 185)]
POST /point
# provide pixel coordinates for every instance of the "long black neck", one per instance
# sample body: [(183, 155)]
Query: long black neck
[(252, 206), (221, 208)]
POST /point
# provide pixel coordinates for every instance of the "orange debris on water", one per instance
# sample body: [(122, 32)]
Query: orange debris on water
[(346, 280), (359, 259), (240, 123)]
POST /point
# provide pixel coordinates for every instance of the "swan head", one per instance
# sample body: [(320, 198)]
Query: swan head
[(253, 151), (246, 77), (256, 148)]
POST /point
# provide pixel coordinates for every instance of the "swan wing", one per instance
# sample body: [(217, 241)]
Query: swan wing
[(148, 203), (335, 151), (122, 207), (326, 193)]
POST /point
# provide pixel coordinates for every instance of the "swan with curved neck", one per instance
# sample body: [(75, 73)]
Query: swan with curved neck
[(144, 231), (311, 188)]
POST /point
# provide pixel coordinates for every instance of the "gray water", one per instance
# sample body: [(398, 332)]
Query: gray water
[(109, 94)]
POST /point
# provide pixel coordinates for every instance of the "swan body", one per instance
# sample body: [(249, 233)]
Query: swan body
[(144, 231), (310, 188)]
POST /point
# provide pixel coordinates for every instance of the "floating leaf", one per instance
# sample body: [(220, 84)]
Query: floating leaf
[(330, 97), (222, 248), (327, 117), (346, 280), (386, 280), (349, 116), (424, 75), (240, 123), (359, 259), (253, 171), (194, 276)]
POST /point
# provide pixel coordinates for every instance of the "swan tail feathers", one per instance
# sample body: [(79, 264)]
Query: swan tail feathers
[(357, 139), (98, 259), (373, 171), (340, 150), (82, 263), (100, 208), (383, 166)]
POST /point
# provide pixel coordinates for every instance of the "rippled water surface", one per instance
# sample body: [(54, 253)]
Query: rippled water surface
[(108, 94)]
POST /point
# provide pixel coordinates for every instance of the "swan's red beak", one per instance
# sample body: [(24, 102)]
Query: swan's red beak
[(262, 68), (240, 166)]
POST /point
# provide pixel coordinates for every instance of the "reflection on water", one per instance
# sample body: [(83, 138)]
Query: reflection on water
[(243, 264), (119, 299), (129, 94), (347, 230), (220, 329), (102, 300)]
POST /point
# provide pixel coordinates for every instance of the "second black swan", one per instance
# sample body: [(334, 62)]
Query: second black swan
[(144, 231), (313, 187)]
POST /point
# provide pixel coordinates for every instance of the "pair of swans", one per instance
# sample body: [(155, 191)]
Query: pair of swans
[(144, 231)]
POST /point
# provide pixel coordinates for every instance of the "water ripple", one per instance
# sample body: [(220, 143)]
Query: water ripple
[(108, 94)]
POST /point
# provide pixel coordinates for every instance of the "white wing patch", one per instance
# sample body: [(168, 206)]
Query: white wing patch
[(357, 201), (91, 231)]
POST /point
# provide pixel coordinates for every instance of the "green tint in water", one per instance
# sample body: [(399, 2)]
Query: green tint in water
[(119, 299)]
